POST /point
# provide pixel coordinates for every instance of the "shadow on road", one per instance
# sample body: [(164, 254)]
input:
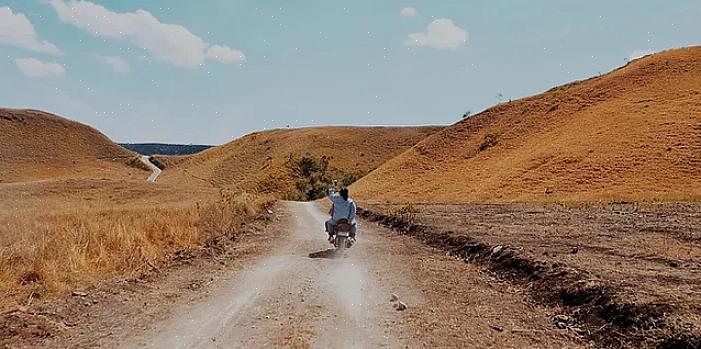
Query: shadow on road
[(328, 254)]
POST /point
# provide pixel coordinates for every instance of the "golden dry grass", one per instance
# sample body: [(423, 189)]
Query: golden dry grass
[(74, 210), (632, 135), (61, 242)]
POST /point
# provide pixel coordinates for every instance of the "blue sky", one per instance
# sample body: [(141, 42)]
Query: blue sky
[(209, 71)]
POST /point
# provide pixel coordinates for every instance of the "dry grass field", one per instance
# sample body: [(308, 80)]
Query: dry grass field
[(633, 135), (59, 236), (76, 209)]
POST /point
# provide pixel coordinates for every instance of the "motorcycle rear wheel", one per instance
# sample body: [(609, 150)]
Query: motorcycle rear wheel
[(341, 244)]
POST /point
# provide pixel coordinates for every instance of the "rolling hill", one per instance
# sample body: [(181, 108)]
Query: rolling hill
[(36, 145), (262, 161), (633, 135)]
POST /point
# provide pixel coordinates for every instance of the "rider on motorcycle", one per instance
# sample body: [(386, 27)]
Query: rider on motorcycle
[(343, 208)]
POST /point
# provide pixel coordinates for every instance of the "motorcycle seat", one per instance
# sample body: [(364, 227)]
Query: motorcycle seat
[(343, 226)]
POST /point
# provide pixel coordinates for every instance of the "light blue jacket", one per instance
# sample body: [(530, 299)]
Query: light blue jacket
[(342, 208)]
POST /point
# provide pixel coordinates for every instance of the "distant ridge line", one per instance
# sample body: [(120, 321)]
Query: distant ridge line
[(165, 148)]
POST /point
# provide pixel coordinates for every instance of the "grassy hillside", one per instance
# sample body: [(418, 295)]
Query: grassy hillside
[(74, 213), (76, 209), (633, 134), (38, 145), (266, 161)]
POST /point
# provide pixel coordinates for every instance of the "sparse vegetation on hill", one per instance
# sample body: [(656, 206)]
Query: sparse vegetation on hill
[(296, 163), (631, 135), (312, 176)]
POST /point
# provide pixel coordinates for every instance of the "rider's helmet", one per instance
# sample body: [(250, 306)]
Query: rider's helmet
[(344, 193)]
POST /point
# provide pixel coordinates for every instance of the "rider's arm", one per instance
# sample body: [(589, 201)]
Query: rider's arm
[(353, 211), (331, 192)]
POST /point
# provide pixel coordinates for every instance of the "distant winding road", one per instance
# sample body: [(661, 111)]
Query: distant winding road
[(156, 171)]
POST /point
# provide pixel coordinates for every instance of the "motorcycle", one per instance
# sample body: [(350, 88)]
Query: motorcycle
[(342, 239)]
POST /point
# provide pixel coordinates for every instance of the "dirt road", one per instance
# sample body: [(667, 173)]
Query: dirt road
[(262, 294), (156, 171), (299, 297)]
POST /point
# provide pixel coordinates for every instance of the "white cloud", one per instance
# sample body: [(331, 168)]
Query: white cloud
[(640, 53), (440, 34), (165, 42), (35, 68), (119, 65), (408, 12), (16, 30), (223, 54)]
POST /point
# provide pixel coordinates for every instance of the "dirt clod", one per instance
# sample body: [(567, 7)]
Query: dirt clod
[(29, 277)]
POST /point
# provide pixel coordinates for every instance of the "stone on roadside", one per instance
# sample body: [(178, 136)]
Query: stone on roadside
[(563, 318), (497, 328), (497, 249), (393, 297), (562, 321), (400, 306)]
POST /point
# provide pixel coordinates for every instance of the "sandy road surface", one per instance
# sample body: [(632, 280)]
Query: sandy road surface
[(297, 297)]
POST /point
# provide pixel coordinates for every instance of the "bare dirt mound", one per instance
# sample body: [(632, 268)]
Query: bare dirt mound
[(263, 161), (633, 134), (38, 145)]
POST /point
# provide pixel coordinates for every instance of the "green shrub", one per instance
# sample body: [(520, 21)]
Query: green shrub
[(311, 177)]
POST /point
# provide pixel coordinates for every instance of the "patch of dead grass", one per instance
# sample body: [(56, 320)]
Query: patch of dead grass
[(51, 253)]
